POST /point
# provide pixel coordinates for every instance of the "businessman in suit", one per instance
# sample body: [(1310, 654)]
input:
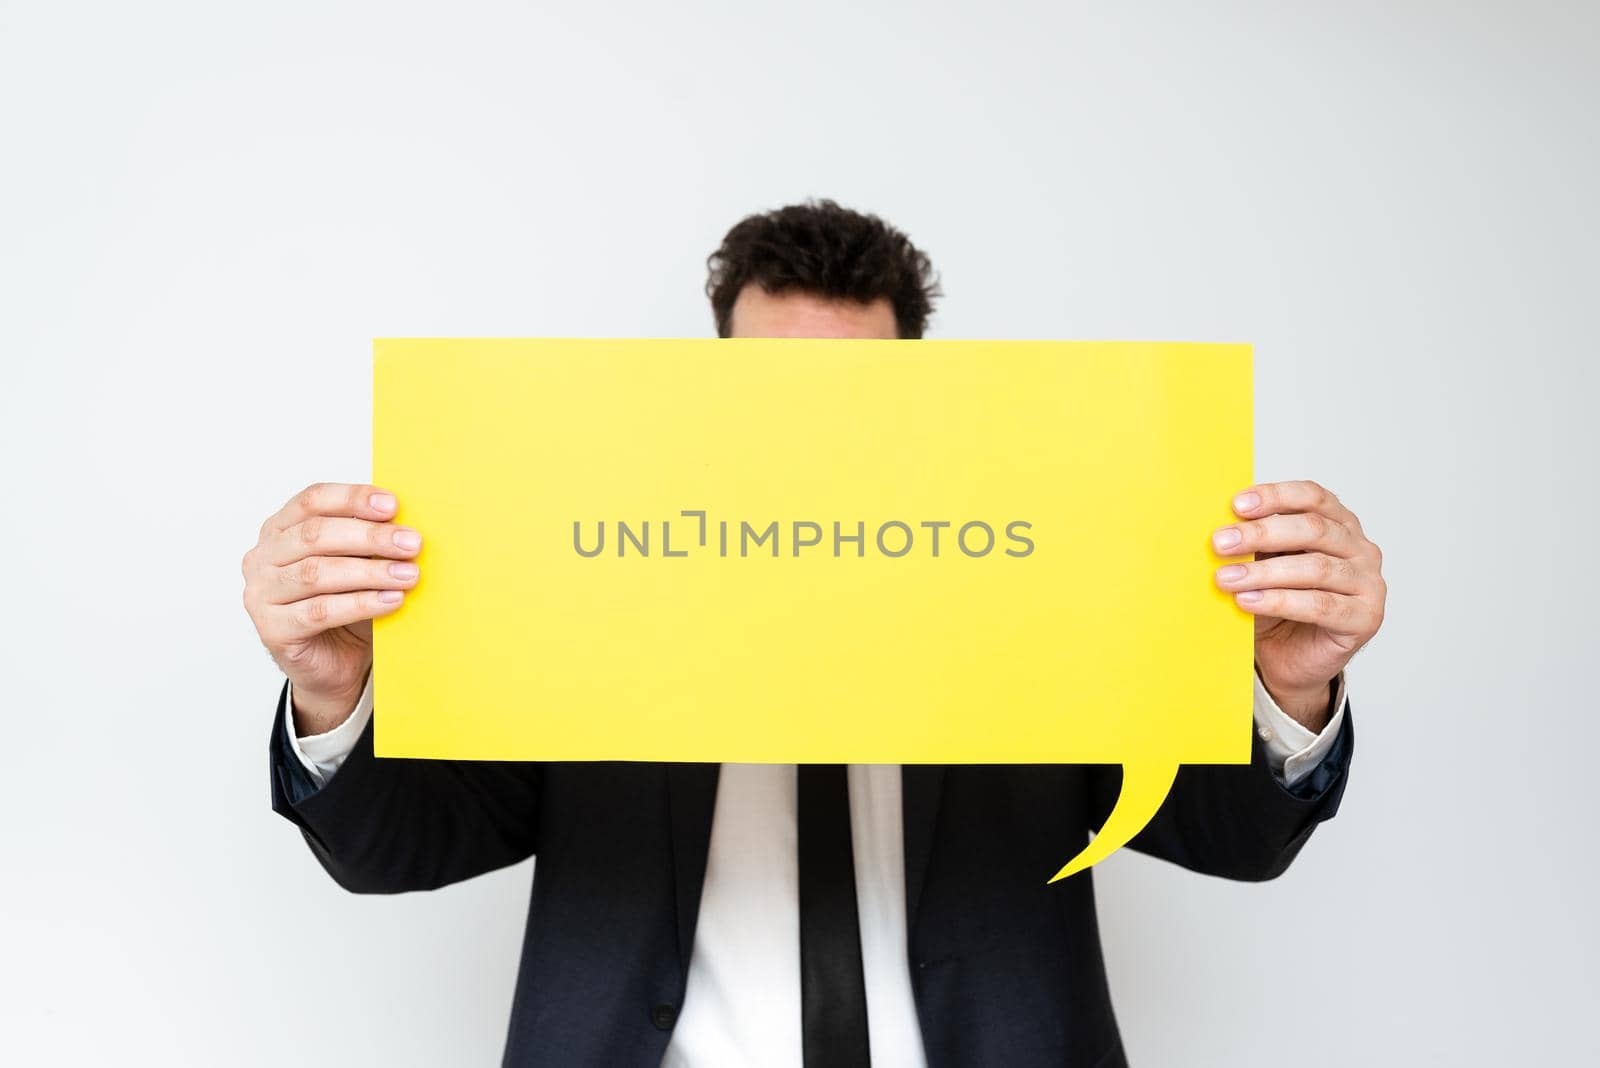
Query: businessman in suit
[(700, 915)]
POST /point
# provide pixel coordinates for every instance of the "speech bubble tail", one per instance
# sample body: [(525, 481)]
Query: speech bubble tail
[(1144, 787)]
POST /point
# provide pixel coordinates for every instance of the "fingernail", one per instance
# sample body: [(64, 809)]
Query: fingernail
[(1246, 502), (408, 539), (407, 572), (1226, 538), (391, 596), (1231, 573), (382, 502), (1248, 596)]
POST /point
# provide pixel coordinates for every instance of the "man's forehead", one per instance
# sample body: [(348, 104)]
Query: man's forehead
[(758, 312)]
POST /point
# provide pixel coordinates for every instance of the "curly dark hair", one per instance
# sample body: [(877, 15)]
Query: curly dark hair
[(821, 248)]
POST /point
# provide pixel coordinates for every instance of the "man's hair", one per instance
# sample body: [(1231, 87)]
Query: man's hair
[(827, 251)]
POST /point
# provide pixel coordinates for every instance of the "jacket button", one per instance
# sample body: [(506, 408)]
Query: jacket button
[(664, 1016)]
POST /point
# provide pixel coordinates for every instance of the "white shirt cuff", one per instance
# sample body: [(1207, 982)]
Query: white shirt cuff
[(1293, 752), (321, 754)]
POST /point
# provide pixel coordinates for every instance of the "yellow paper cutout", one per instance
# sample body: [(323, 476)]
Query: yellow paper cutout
[(1092, 634)]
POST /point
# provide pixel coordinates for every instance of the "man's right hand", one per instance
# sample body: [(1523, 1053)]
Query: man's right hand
[(312, 589)]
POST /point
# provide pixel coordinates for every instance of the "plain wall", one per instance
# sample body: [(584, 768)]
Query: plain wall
[(207, 211)]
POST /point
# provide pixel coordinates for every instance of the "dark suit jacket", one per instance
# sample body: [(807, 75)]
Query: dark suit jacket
[(1006, 970)]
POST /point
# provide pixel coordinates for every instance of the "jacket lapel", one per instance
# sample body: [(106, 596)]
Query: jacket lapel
[(691, 801), (921, 787)]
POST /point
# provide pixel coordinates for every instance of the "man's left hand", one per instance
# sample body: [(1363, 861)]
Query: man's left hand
[(1315, 589)]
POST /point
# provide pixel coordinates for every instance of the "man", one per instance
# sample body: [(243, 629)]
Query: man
[(697, 915)]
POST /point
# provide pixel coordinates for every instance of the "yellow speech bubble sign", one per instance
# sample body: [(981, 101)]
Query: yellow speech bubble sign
[(818, 551)]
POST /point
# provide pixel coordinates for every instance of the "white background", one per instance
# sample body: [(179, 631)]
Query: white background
[(208, 210)]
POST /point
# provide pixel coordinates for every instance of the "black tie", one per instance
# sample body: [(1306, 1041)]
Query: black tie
[(833, 993)]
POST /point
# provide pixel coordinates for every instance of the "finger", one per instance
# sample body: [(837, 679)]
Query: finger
[(337, 574), (306, 619), (355, 500), (1303, 532), (1281, 498), (1336, 612), (1300, 571), (337, 536)]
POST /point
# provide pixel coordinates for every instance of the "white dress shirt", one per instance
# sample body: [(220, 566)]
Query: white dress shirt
[(742, 1003)]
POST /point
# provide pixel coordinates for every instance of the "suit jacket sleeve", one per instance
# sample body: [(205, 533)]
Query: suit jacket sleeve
[(1237, 820), (385, 826)]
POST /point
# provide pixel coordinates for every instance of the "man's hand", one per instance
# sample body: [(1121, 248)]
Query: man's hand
[(1314, 588), (312, 589)]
